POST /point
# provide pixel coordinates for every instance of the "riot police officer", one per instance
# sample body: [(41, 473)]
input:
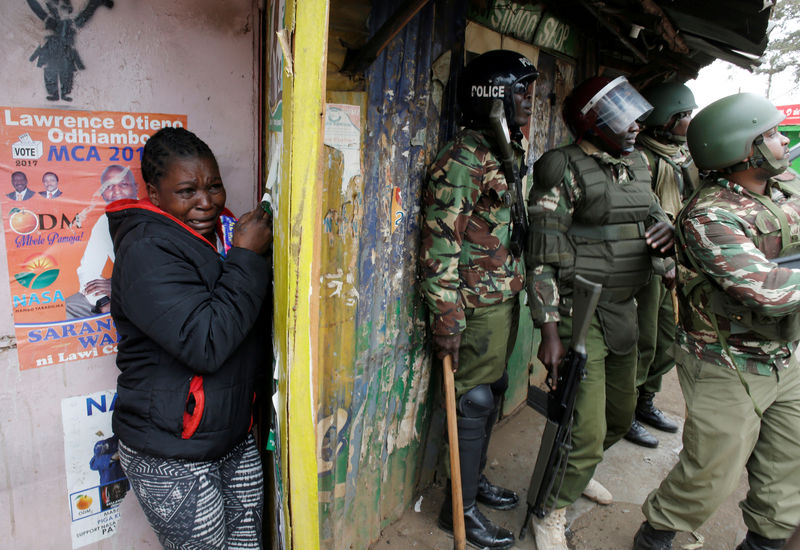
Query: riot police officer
[(739, 325), (674, 176), (592, 213), (471, 273)]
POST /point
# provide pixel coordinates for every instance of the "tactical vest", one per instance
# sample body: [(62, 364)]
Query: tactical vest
[(700, 289), (607, 232), (686, 174)]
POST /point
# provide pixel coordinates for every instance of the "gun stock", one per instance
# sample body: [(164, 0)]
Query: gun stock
[(560, 404), (502, 137)]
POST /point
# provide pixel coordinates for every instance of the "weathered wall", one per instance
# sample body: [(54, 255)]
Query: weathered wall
[(374, 374), (184, 57)]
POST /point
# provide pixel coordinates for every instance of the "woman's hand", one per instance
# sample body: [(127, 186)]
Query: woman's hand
[(253, 231), (551, 352)]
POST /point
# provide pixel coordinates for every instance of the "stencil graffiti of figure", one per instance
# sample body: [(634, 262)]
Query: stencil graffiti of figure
[(58, 55)]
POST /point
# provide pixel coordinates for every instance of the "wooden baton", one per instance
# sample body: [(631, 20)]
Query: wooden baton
[(459, 534), (674, 294)]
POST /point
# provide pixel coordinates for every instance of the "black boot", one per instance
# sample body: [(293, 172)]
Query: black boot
[(650, 538), (479, 530), (495, 496), (489, 494), (470, 442), (649, 414), (754, 541), (639, 435)]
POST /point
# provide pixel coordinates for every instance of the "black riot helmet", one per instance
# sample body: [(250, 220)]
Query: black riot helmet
[(492, 75)]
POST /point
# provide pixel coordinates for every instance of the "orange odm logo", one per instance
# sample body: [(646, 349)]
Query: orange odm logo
[(23, 222), (82, 502), (38, 271)]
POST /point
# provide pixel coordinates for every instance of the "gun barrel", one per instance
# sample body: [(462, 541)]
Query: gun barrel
[(792, 261), (585, 295), (502, 137), (556, 440)]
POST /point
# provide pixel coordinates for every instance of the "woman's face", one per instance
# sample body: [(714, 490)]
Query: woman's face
[(192, 191)]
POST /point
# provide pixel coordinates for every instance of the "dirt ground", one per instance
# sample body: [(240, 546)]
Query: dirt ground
[(630, 472)]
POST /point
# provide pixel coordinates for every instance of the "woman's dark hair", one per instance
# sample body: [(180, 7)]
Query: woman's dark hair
[(167, 143)]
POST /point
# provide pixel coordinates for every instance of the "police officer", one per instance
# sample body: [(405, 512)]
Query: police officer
[(471, 275), (674, 177), (592, 213), (739, 324)]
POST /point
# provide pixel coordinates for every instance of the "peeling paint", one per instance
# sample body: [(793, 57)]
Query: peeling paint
[(374, 373), (7, 342)]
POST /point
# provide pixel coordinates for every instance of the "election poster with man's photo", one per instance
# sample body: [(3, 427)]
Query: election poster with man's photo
[(58, 171)]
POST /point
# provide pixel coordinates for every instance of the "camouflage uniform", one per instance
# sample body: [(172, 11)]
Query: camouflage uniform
[(730, 233), (607, 396), (467, 268), (674, 178)]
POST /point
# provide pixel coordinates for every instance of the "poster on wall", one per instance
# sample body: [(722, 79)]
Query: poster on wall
[(58, 171), (96, 483)]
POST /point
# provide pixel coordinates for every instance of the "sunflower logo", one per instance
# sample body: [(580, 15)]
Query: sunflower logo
[(37, 271)]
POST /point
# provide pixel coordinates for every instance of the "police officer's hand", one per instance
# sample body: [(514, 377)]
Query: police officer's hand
[(447, 344), (668, 279), (551, 352), (661, 237)]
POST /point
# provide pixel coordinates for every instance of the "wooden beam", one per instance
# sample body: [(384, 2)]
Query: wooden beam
[(665, 28), (608, 24), (357, 60)]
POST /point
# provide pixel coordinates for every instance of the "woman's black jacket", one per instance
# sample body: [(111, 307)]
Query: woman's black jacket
[(194, 338)]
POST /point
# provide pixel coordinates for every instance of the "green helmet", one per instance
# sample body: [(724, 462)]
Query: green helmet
[(667, 100), (722, 134)]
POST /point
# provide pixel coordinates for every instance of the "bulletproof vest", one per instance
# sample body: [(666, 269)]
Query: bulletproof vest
[(740, 318), (607, 232)]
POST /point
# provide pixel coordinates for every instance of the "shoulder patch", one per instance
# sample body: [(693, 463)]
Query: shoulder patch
[(548, 171)]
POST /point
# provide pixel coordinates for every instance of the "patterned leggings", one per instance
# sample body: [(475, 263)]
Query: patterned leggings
[(200, 505)]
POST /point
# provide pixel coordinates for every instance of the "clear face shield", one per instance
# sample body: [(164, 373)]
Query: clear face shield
[(617, 105)]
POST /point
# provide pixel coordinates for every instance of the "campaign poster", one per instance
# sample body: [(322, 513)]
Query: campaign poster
[(96, 483), (58, 171)]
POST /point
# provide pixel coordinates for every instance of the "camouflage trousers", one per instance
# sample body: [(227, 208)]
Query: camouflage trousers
[(486, 344), (656, 335), (723, 436), (603, 408)]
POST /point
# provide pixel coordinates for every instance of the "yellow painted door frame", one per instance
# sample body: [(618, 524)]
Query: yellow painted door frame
[(297, 245)]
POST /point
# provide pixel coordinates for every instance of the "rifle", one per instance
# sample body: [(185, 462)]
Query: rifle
[(792, 261), (557, 405), (514, 197)]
